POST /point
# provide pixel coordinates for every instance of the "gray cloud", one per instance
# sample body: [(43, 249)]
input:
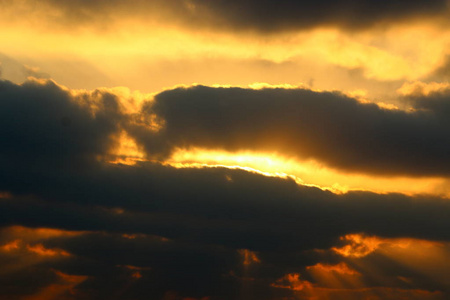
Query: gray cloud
[(51, 144), (261, 16), (289, 14), (43, 126), (326, 126)]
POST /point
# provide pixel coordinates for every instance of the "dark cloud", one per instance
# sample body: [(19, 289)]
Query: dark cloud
[(270, 16), (43, 126), (183, 227), (261, 16), (436, 103), (201, 206), (327, 126)]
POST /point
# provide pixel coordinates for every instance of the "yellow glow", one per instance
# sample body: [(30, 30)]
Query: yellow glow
[(130, 101), (362, 97), (157, 51), (418, 88), (252, 162), (126, 152), (263, 85), (307, 172), (130, 52)]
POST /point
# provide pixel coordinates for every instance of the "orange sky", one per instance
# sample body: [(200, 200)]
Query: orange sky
[(224, 135)]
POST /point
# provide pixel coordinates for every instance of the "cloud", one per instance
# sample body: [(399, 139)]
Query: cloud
[(54, 129), (327, 126), (261, 16), (189, 231), (56, 144), (104, 265), (17, 72), (442, 72), (288, 14)]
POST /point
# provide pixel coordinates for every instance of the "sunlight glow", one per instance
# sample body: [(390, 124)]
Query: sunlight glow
[(126, 151), (342, 281), (307, 172), (425, 257), (140, 52)]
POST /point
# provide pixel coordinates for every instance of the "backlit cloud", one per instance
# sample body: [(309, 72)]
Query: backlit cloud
[(224, 150), (263, 16), (327, 126), (160, 230)]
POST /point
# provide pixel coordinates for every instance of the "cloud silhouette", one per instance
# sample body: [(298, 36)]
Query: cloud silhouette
[(327, 126), (184, 230), (260, 16)]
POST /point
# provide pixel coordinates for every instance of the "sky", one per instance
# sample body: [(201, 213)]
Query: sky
[(224, 150)]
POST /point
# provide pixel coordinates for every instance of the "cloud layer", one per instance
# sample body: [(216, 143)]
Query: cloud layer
[(260, 16), (327, 126), (149, 230)]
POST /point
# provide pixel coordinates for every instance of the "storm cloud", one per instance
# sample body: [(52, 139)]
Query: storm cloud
[(330, 127), (270, 16), (176, 233), (248, 15)]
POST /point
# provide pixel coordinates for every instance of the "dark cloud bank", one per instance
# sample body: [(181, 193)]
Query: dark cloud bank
[(51, 148), (330, 127), (262, 16), (270, 15)]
